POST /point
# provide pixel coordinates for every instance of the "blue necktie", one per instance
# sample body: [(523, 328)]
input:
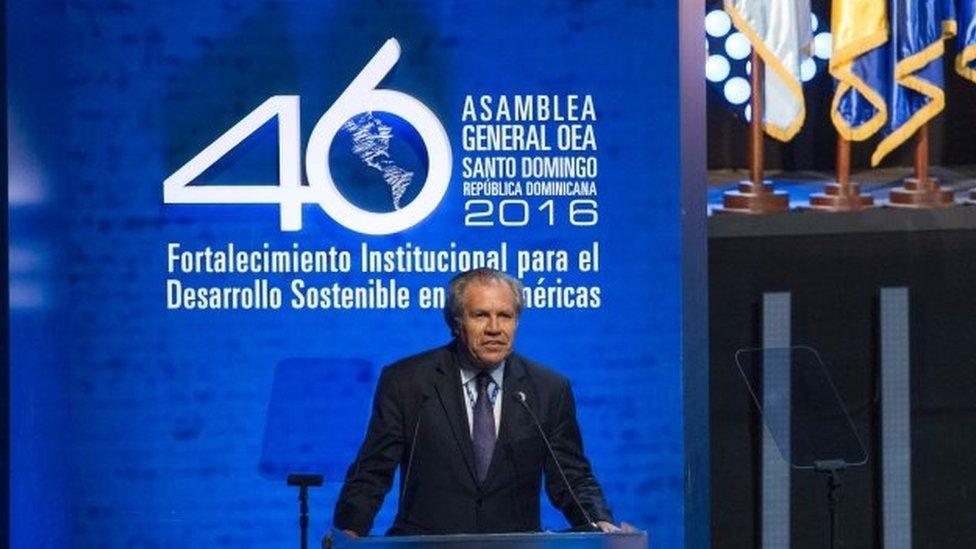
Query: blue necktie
[(483, 431)]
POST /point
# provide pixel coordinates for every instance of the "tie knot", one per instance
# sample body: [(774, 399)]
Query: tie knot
[(483, 379)]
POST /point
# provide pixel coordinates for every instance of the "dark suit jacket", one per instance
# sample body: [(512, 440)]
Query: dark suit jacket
[(422, 395)]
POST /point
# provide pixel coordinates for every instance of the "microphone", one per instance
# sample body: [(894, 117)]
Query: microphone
[(590, 525), (413, 450)]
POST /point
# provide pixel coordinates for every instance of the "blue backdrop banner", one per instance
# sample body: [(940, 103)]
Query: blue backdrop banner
[(227, 217)]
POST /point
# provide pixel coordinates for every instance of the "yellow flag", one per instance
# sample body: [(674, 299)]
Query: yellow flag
[(859, 64)]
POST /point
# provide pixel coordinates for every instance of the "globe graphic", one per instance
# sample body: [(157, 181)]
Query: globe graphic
[(378, 161)]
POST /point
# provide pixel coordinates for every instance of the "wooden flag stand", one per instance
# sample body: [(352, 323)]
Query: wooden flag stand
[(921, 191), (756, 195), (842, 196)]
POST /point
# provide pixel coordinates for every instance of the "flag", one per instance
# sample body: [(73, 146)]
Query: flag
[(915, 96), (860, 65), (966, 58), (779, 31)]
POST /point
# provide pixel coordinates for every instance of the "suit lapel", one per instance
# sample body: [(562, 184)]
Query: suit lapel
[(448, 387)]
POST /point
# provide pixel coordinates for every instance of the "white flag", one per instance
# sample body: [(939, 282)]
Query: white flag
[(780, 32)]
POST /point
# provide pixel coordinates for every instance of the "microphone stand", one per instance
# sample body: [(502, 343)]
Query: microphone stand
[(589, 525), (413, 450)]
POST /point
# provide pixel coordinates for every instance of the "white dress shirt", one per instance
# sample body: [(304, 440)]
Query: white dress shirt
[(469, 393)]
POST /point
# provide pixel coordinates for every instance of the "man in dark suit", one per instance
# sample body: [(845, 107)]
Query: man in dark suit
[(457, 422)]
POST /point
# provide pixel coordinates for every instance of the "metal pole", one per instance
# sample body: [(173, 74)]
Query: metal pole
[(303, 520), (922, 159), (833, 484), (843, 165), (755, 126)]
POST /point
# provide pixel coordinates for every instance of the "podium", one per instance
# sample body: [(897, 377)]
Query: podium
[(541, 540)]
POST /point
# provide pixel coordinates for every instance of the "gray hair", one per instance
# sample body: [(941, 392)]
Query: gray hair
[(454, 305)]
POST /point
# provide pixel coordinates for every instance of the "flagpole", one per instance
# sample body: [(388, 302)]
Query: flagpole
[(756, 195), (756, 156), (842, 196), (843, 163), (921, 191), (922, 159)]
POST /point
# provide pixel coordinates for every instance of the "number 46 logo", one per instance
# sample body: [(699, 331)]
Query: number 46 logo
[(361, 96)]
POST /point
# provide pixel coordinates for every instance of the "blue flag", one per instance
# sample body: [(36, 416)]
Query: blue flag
[(915, 48), (966, 58), (859, 62)]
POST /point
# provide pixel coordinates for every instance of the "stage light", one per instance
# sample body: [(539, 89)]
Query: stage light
[(717, 68), (822, 45), (748, 113), (728, 52), (737, 46), (717, 23), (808, 69), (737, 90)]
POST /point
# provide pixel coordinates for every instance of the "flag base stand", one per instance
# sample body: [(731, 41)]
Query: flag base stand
[(921, 191), (751, 198), (841, 198), (914, 195), (842, 195)]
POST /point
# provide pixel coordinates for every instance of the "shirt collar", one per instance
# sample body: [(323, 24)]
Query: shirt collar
[(497, 374)]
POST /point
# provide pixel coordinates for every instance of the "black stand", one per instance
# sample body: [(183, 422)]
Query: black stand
[(801, 398), (304, 482), (832, 468)]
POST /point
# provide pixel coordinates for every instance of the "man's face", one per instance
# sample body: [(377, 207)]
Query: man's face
[(488, 322)]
